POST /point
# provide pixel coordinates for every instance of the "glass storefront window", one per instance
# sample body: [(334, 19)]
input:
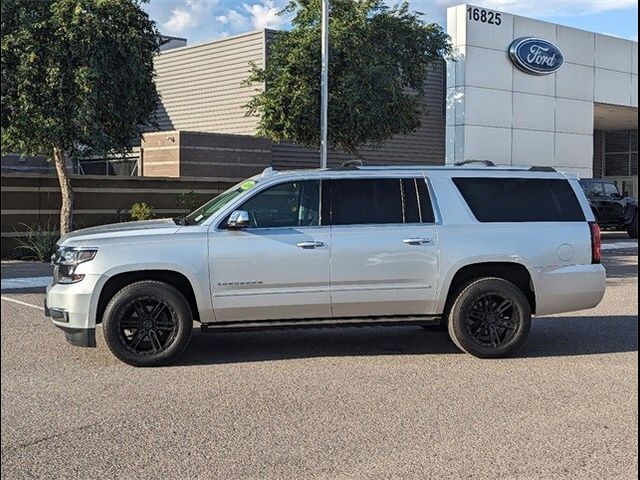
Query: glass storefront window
[(616, 165), (616, 141), (620, 153)]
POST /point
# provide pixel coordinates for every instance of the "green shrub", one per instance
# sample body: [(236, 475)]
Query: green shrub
[(141, 211), (38, 242)]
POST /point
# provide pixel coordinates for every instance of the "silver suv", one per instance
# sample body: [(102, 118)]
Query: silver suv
[(477, 249)]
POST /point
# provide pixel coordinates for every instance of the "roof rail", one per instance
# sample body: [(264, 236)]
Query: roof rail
[(486, 163), (537, 168)]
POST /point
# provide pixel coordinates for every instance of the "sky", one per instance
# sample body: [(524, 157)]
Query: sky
[(203, 20)]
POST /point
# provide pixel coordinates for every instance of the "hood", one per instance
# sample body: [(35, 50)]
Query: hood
[(124, 229)]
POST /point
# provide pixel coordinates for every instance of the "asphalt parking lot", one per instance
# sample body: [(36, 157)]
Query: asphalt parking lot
[(331, 403)]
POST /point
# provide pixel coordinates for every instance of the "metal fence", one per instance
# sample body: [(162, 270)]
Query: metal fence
[(114, 165)]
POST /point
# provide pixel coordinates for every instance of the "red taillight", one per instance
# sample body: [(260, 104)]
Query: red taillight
[(596, 243)]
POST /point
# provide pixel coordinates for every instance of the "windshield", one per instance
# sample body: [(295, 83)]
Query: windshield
[(199, 215)]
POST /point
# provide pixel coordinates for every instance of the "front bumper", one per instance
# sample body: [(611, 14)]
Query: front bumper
[(79, 337), (72, 308)]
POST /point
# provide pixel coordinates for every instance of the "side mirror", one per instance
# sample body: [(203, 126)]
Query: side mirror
[(238, 220), (625, 194)]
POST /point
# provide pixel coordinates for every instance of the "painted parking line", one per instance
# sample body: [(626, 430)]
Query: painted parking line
[(619, 246), (19, 302), (24, 283)]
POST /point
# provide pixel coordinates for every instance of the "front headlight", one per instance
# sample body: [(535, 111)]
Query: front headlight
[(65, 261), (75, 256)]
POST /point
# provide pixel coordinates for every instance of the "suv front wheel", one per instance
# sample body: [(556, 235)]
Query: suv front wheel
[(490, 318), (147, 324)]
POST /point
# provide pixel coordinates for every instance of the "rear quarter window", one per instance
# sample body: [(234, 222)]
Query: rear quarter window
[(520, 199)]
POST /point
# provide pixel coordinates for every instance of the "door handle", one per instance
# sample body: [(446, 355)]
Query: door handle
[(310, 244), (417, 241)]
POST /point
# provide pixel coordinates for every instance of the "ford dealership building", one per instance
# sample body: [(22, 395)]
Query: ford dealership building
[(567, 98)]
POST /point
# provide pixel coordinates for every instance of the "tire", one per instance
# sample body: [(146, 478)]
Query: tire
[(489, 337), (632, 228), (147, 324)]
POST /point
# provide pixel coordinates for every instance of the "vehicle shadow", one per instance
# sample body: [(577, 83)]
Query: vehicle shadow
[(562, 336), (549, 337), (621, 265)]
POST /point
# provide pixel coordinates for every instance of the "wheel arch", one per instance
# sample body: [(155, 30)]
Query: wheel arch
[(514, 272), (120, 280)]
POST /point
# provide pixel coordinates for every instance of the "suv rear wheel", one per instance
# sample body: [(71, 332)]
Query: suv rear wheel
[(147, 324), (490, 318)]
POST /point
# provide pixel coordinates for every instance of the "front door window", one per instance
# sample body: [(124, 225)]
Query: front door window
[(292, 204)]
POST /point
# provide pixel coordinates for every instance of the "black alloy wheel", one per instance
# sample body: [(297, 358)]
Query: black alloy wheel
[(490, 318), (491, 321), (147, 323)]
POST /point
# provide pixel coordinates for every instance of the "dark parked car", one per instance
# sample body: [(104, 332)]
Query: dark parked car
[(613, 210)]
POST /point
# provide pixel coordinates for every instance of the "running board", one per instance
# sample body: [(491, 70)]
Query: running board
[(318, 323)]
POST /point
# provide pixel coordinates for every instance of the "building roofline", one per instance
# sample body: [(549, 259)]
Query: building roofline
[(171, 37), (271, 30), (471, 4), (217, 40)]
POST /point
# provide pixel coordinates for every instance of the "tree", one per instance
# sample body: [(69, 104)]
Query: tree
[(378, 64), (77, 79)]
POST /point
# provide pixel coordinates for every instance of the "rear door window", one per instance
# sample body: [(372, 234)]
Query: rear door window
[(520, 199), (379, 201), (416, 200)]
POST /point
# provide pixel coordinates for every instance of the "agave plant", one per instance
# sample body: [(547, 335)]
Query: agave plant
[(36, 242)]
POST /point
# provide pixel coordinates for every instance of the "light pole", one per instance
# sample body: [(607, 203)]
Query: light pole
[(324, 84)]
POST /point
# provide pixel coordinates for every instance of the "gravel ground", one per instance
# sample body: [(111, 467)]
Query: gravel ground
[(332, 403)]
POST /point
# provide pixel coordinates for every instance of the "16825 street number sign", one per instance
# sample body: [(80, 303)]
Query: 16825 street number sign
[(476, 14)]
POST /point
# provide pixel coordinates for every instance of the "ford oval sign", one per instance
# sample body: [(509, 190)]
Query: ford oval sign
[(535, 56)]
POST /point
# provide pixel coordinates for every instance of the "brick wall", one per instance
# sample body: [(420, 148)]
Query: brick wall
[(203, 154)]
